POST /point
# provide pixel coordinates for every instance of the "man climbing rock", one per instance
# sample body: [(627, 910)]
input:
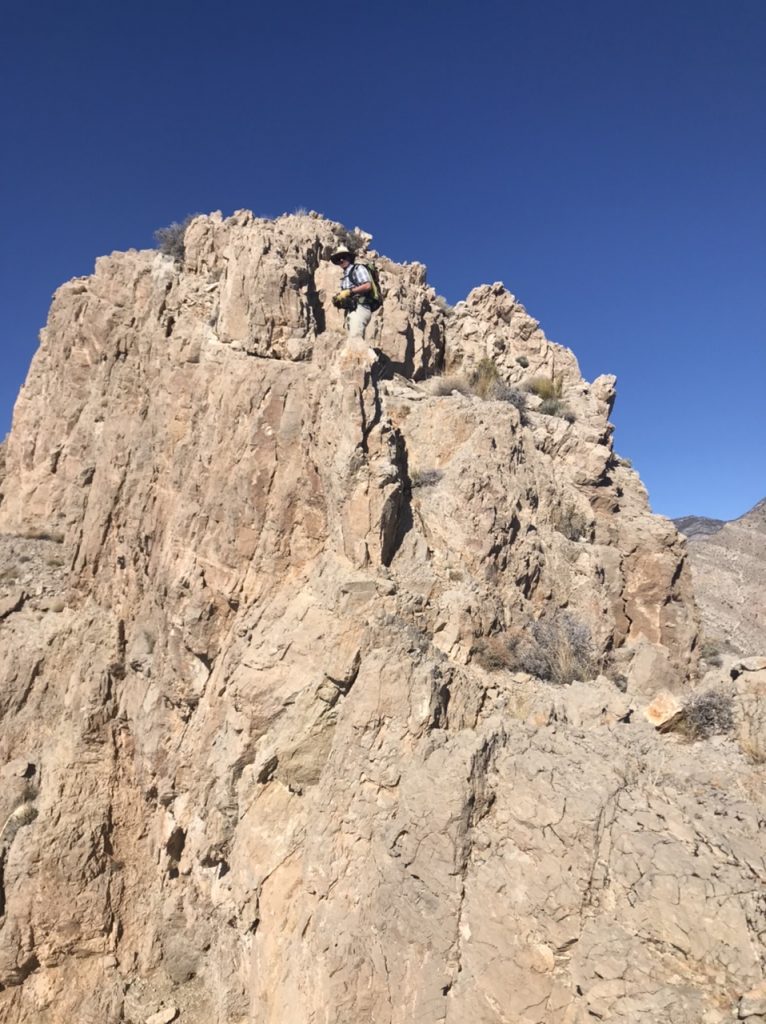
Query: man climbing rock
[(357, 293)]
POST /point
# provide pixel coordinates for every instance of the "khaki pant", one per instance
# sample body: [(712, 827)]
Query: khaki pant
[(357, 321)]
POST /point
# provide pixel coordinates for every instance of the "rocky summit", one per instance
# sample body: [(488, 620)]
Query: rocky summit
[(352, 682)]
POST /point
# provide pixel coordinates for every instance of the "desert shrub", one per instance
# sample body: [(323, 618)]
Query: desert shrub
[(505, 393), (556, 407), (447, 384), (426, 477), (486, 383), (568, 521), (708, 714), (546, 387), (441, 303), (493, 653), (557, 648), (522, 361), (484, 377), (170, 240), (710, 651), (354, 240)]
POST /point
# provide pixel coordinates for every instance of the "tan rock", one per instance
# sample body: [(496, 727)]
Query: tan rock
[(164, 1016), (664, 711), (753, 1003), (255, 769)]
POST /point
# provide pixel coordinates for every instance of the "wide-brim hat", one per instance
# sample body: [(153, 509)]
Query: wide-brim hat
[(341, 252)]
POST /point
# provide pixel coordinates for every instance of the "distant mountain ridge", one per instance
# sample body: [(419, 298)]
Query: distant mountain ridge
[(728, 561), (703, 526), (698, 526)]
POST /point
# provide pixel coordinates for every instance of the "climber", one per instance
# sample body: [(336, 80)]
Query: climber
[(357, 292)]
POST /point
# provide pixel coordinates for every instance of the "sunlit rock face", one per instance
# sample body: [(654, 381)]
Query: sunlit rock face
[(728, 564), (321, 664)]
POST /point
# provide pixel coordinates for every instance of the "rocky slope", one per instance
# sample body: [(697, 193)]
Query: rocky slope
[(729, 574), (279, 618)]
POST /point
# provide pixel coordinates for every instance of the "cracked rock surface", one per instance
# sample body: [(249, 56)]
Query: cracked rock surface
[(266, 753)]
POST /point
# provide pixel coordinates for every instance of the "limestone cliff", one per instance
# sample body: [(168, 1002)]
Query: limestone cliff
[(278, 744)]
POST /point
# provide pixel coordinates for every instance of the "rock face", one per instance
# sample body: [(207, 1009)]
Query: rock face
[(277, 617), (729, 578)]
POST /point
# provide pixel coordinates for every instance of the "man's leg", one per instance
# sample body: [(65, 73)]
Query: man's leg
[(357, 321)]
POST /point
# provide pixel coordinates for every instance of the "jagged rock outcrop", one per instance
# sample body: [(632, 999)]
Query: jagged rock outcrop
[(729, 578), (274, 748)]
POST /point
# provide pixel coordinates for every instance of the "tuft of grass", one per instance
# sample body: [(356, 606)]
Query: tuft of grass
[(708, 714), (485, 382), (484, 378), (546, 387), (170, 240)]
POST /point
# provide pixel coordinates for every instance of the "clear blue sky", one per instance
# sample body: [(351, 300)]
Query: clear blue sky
[(606, 159)]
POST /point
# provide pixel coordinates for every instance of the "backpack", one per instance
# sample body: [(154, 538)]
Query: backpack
[(374, 299)]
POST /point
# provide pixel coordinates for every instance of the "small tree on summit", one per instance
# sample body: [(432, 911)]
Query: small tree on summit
[(170, 240)]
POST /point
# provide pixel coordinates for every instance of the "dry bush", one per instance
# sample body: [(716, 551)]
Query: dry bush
[(557, 648), (505, 393), (710, 652), (708, 714), (555, 407), (493, 653), (445, 385), (568, 521), (440, 303), (170, 240), (426, 477)]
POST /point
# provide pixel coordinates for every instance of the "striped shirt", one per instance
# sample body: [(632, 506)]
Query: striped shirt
[(355, 275)]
